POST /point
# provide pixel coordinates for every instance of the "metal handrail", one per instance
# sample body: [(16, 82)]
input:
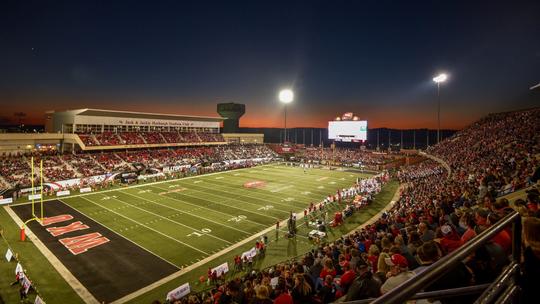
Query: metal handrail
[(408, 288), (500, 282), (435, 294)]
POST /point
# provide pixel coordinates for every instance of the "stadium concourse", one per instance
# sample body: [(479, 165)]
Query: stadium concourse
[(435, 215)]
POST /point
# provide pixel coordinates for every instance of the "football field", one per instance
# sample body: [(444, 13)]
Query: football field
[(186, 220), (162, 227)]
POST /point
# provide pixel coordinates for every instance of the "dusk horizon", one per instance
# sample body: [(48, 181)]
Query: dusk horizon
[(376, 60)]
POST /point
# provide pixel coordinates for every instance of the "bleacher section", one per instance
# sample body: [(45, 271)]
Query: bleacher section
[(16, 170), (141, 138)]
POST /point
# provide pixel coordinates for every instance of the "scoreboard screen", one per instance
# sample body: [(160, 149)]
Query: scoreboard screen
[(348, 130)]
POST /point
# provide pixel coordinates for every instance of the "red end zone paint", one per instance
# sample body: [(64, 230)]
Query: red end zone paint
[(80, 244), (254, 184), (56, 219), (75, 226)]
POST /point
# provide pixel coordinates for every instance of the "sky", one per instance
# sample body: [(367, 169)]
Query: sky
[(374, 58)]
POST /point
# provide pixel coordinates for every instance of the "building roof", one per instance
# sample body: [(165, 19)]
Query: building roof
[(129, 114)]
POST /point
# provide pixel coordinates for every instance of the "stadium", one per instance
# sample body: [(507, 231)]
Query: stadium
[(302, 200)]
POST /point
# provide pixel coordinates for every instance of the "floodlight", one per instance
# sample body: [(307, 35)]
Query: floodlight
[(440, 78), (286, 96)]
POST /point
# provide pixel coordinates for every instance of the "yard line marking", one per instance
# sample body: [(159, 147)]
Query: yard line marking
[(144, 185), (219, 177), (191, 267), (197, 181), (278, 179), (64, 272), (185, 212), (110, 229), (281, 188), (168, 219), (322, 178), (213, 202), (149, 228), (245, 195)]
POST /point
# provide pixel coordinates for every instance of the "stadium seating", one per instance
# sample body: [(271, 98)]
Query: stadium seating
[(436, 213), (15, 170), (138, 138)]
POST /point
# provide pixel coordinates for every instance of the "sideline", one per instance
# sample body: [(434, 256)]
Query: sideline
[(137, 186), (377, 216), (77, 286)]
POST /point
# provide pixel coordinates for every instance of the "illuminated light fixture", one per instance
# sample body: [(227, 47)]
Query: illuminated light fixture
[(440, 78), (286, 96), (355, 118), (338, 118)]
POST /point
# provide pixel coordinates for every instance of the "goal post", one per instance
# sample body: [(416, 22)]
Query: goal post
[(33, 197)]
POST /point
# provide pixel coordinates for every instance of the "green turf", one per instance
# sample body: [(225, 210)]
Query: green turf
[(280, 249), (49, 283), (200, 216), (186, 220)]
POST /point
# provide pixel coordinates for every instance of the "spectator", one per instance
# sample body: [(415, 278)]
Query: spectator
[(301, 292), (531, 259), (365, 285), (399, 272)]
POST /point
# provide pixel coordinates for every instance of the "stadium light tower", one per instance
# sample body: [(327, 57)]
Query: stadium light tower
[(286, 96), (438, 80)]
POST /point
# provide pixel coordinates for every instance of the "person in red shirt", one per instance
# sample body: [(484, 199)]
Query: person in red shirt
[(373, 257), (467, 222), (450, 240), (346, 279), (502, 238), (283, 296)]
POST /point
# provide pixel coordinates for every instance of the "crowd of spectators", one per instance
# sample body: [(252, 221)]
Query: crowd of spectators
[(436, 214), (131, 138), (108, 138), (15, 170), (344, 156)]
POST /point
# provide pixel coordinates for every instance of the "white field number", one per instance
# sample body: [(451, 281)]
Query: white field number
[(106, 198), (266, 208), (203, 232), (237, 219)]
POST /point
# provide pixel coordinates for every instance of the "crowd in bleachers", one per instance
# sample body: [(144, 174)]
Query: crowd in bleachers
[(344, 156), (108, 138), (130, 138), (15, 170), (436, 214)]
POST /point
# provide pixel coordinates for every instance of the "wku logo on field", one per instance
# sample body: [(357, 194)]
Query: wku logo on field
[(78, 244)]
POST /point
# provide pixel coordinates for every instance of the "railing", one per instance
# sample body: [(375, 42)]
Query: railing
[(505, 283)]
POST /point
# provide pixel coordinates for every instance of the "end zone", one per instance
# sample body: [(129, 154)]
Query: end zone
[(108, 265)]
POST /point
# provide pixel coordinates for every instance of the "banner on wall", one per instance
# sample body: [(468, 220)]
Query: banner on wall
[(178, 293), (35, 196), (6, 201), (221, 269), (250, 253), (85, 190), (63, 193)]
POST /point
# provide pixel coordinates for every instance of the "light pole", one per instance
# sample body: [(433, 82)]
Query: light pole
[(286, 96), (438, 79)]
